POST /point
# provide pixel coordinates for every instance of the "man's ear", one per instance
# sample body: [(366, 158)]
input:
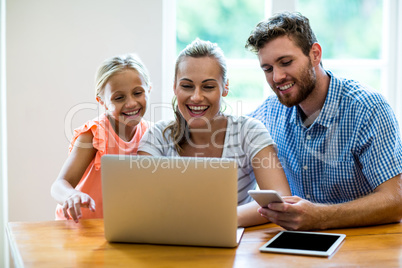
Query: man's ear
[(226, 89), (315, 54)]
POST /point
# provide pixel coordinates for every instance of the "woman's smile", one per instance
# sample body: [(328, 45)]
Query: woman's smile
[(199, 89), (197, 110)]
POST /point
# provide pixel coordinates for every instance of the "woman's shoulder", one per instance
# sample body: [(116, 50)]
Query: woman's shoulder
[(243, 121), (162, 124), (160, 128), (157, 141)]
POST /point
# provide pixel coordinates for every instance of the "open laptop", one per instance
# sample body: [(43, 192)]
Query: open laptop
[(170, 200)]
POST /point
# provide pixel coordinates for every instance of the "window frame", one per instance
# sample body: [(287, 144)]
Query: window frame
[(389, 64)]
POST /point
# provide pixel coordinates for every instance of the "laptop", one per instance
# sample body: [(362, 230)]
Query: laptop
[(170, 200)]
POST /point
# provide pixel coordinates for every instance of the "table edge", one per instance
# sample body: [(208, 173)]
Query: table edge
[(17, 258)]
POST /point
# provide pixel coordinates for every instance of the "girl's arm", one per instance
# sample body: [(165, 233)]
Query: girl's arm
[(270, 176), (71, 173)]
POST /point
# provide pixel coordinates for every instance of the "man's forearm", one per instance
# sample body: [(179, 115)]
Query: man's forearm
[(382, 206)]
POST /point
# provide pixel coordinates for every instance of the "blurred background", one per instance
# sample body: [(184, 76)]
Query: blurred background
[(356, 36)]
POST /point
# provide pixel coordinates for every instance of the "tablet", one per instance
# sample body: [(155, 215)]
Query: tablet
[(304, 243)]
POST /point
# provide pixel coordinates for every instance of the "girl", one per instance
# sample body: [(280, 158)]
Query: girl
[(122, 88), (202, 130)]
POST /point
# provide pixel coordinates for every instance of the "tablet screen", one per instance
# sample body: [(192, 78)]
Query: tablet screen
[(322, 244)]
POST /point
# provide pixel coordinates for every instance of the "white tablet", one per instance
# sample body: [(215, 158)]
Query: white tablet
[(305, 243)]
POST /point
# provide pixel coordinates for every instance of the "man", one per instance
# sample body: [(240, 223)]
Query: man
[(338, 141)]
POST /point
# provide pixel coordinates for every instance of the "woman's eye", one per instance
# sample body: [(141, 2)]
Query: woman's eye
[(186, 86), (139, 93), (118, 98), (209, 87)]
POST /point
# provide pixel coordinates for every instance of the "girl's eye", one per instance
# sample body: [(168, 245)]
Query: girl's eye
[(118, 98), (139, 93)]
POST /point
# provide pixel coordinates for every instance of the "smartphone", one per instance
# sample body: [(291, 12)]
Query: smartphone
[(264, 197)]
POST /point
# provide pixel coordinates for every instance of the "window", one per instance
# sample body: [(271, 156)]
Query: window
[(359, 39), (227, 23), (350, 33)]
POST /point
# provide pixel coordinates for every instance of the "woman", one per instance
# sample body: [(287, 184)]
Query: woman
[(202, 130)]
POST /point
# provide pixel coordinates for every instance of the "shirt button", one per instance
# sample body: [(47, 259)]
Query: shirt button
[(307, 196), (305, 167), (308, 137)]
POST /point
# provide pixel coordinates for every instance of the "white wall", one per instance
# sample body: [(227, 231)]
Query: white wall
[(53, 50), (4, 260)]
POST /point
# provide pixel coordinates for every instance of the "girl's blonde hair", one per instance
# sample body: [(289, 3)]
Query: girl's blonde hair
[(117, 64), (197, 49)]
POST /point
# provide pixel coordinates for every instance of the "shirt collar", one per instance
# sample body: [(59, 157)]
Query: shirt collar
[(332, 101), (330, 107)]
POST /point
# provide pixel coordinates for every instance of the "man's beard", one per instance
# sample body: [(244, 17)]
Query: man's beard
[(306, 83)]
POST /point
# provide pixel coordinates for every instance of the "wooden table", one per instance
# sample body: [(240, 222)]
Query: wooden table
[(67, 244)]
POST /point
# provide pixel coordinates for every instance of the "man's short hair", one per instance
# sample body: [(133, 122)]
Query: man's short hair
[(294, 25)]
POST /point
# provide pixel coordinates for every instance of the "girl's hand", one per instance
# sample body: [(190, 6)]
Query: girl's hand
[(72, 205)]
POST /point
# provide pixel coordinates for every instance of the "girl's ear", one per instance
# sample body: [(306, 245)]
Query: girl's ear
[(226, 89), (98, 99)]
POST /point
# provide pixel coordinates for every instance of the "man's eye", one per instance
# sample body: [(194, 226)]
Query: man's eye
[(286, 63), (267, 69)]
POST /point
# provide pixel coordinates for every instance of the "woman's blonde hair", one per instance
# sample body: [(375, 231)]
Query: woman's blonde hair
[(117, 64), (197, 49)]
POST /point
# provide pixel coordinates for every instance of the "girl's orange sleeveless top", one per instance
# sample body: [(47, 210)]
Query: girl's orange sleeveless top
[(106, 141)]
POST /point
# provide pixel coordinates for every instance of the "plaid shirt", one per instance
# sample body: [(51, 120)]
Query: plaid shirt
[(352, 147)]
